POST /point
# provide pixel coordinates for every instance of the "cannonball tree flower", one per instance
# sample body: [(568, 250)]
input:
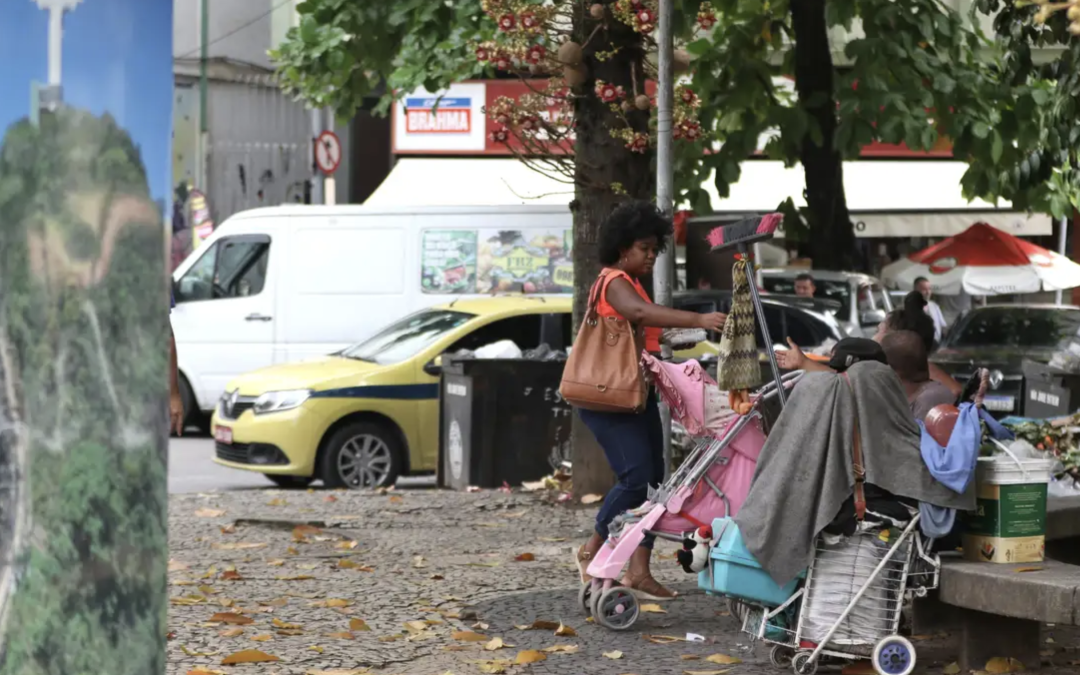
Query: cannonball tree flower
[(507, 22), (499, 136), (639, 143), (536, 54), (691, 131), (688, 96), (482, 54), (503, 62), (706, 17), (607, 92), (529, 21)]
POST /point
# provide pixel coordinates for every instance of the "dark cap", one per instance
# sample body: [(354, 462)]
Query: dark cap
[(850, 351)]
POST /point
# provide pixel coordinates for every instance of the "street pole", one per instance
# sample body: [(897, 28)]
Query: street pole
[(201, 162), (1062, 232), (664, 274), (317, 192)]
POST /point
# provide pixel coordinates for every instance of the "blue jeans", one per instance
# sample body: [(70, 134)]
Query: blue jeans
[(634, 447)]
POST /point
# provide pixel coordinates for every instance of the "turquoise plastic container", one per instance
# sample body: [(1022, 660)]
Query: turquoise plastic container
[(735, 573)]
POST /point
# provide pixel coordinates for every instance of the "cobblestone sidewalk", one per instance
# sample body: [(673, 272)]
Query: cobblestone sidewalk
[(405, 583)]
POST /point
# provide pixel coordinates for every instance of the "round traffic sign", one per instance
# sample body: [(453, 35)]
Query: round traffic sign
[(328, 152)]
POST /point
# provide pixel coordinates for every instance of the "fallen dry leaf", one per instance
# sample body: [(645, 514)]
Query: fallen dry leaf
[(613, 655), (466, 635), (277, 501), (301, 532), (525, 557), (483, 564), (562, 649), (358, 624), (192, 652), (416, 626), (705, 672), (495, 667), (652, 608), (232, 618), (278, 623), (297, 577), (347, 545), (275, 563), (337, 602), (437, 577), (663, 639), (207, 590), (529, 656), (551, 540), (292, 550), (177, 566), (204, 671), (248, 656), (209, 513), (723, 659), (231, 575), (231, 632), (1021, 570), (262, 638), (952, 669), (238, 546), (539, 625), (396, 499), (346, 564), (418, 562), (565, 631), (342, 636), (591, 499), (690, 657), (316, 648), (999, 665), (228, 529), (496, 644)]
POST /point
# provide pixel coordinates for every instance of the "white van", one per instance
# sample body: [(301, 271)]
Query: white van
[(287, 283)]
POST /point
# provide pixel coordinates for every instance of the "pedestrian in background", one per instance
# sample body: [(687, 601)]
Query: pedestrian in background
[(630, 240), (922, 285), (805, 286)]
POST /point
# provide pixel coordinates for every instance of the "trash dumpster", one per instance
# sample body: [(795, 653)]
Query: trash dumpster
[(502, 421), (1049, 391)]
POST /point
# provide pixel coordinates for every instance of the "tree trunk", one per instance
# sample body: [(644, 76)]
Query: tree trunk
[(602, 162), (832, 238)]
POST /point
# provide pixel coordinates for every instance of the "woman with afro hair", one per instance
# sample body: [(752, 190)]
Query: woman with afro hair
[(630, 240)]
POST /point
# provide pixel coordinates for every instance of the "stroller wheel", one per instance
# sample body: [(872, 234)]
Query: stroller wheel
[(781, 656), (616, 608), (802, 665), (585, 597), (894, 655)]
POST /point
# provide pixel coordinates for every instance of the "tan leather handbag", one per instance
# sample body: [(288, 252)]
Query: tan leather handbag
[(603, 372)]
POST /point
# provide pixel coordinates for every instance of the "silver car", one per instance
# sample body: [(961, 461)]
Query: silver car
[(864, 302)]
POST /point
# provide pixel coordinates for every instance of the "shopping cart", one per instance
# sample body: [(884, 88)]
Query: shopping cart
[(850, 604)]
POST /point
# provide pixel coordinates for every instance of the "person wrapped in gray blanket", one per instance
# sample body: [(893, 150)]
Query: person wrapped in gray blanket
[(807, 468)]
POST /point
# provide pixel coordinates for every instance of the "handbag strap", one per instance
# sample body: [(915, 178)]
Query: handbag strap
[(858, 467)]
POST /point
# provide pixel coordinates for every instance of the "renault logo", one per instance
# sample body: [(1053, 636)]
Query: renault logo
[(996, 378)]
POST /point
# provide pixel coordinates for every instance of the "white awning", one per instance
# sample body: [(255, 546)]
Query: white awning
[(468, 182), (915, 198)]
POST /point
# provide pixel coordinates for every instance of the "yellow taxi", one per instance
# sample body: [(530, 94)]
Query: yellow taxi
[(369, 413)]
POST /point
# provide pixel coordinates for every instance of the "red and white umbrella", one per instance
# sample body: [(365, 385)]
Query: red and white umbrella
[(983, 260)]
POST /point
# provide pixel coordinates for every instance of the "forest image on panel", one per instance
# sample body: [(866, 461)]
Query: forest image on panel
[(83, 349)]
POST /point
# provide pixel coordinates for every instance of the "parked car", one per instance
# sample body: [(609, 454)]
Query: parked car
[(808, 322), (1001, 337), (864, 302), (280, 284)]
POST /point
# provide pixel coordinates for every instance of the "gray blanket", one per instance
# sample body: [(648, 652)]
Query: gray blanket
[(805, 471)]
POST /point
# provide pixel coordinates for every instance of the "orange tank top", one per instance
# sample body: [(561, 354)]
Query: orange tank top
[(652, 335)]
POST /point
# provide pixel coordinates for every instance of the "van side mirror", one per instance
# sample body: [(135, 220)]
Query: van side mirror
[(872, 317)]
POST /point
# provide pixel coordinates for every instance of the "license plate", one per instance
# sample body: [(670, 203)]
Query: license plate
[(999, 403), (223, 435)]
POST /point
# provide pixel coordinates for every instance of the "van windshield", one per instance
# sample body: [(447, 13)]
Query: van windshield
[(407, 338)]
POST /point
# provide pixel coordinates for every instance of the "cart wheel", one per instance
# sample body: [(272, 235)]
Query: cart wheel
[(585, 597), (802, 665), (781, 656), (894, 655), (616, 608)]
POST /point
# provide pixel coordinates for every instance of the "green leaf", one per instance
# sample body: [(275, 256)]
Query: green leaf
[(996, 147), (981, 130)]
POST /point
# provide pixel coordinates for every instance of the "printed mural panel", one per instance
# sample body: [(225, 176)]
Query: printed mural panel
[(85, 121)]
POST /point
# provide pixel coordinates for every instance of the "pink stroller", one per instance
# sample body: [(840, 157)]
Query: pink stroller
[(712, 482)]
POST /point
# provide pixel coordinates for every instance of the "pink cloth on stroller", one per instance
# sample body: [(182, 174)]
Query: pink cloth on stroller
[(682, 386)]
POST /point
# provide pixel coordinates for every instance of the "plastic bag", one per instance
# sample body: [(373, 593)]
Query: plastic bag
[(503, 349)]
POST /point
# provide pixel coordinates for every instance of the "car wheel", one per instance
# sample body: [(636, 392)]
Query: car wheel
[(291, 482), (361, 455), (193, 417)]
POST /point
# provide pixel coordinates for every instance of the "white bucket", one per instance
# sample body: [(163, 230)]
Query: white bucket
[(1009, 525), (1006, 470)]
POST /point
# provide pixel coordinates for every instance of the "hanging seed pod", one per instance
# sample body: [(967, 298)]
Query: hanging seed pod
[(570, 54), (680, 61), (642, 102), (575, 76), (597, 11), (626, 106)]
